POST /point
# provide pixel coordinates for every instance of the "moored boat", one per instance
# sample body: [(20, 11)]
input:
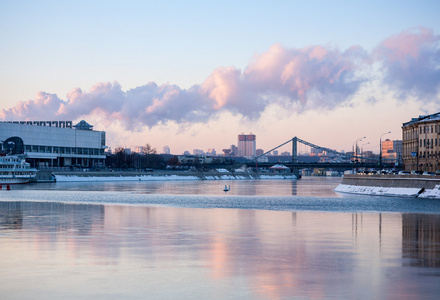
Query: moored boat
[(14, 169)]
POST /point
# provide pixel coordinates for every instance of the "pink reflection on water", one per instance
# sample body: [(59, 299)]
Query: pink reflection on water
[(130, 251)]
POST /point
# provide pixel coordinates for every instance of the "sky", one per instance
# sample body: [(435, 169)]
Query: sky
[(196, 74)]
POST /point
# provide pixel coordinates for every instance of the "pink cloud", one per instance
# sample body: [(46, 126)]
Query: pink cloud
[(296, 72), (314, 77), (45, 106), (411, 62)]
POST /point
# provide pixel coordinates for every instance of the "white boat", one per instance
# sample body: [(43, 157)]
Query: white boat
[(14, 169)]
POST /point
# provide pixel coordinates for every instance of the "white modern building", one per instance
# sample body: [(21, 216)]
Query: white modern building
[(57, 143)]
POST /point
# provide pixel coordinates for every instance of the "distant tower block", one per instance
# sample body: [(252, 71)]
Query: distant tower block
[(247, 145)]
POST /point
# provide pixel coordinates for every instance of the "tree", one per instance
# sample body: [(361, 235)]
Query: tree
[(120, 159), (149, 150), (173, 161)]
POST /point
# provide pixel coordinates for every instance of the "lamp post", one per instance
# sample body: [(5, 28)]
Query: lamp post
[(380, 145), (362, 150), (355, 149)]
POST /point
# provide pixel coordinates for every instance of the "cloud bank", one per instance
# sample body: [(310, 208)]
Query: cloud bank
[(314, 77)]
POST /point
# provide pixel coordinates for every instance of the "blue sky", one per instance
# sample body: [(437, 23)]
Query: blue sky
[(57, 46)]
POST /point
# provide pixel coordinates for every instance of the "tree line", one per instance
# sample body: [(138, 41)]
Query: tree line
[(148, 159)]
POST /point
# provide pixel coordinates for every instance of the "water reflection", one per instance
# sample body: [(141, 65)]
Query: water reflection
[(133, 251), (421, 240)]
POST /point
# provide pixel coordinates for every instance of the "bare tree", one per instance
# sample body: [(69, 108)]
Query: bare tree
[(149, 150)]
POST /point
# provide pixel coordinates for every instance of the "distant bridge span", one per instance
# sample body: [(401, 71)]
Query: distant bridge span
[(326, 165), (295, 141), (350, 161)]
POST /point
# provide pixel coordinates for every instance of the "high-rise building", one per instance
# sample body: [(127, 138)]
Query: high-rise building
[(211, 152), (166, 149), (139, 149), (392, 151), (198, 152), (247, 145)]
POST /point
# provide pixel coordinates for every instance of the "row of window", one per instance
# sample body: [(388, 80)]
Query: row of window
[(15, 173), (429, 143), (428, 154), (425, 129), (411, 133), (12, 166), (63, 150)]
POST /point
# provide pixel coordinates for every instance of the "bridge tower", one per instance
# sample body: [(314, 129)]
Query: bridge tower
[(295, 150), (295, 168)]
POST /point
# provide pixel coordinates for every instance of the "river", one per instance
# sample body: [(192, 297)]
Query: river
[(263, 239)]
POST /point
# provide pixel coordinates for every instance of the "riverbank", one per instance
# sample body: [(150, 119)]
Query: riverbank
[(72, 176), (420, 186)]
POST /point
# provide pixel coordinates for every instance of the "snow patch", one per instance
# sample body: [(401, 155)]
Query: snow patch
[(378, 191), (74, 178)]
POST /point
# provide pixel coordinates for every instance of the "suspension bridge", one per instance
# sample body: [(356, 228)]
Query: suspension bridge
[(340, 161)]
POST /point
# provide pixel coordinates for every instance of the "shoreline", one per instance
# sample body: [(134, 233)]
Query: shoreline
[(414, 186), (48, 176)]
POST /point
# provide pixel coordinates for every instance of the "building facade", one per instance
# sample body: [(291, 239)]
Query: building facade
[(421, 143), (392, 151), (58, 143), (247, 145)]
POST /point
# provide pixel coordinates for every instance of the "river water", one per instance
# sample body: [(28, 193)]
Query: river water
[(264, 239)]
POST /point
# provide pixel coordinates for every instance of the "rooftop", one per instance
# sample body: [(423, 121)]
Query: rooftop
[(423, 119)]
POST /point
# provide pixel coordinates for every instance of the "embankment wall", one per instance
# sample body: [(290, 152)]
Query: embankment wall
[(394, 181), (164, 175)]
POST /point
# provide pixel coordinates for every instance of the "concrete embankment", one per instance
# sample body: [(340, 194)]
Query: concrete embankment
[(421, 186), (65, 176)]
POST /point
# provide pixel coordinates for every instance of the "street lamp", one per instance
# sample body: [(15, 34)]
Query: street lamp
[(380, 145), (362, 150), (355, 150)]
